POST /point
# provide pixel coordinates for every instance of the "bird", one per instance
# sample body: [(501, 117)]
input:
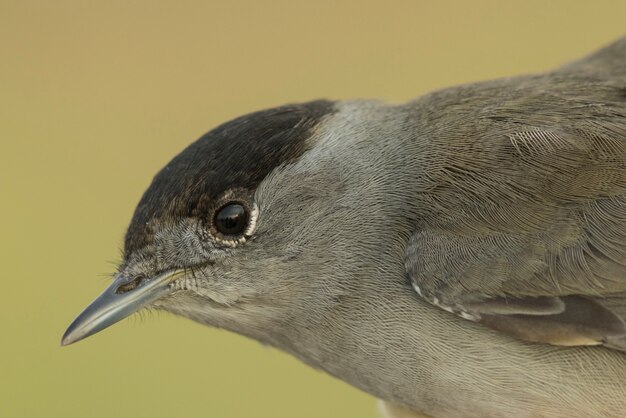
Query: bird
[(462, 254)]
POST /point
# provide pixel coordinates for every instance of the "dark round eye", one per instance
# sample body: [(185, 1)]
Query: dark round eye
[(231, 219)]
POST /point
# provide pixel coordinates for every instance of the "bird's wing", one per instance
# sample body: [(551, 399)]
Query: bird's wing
[(527, 232)]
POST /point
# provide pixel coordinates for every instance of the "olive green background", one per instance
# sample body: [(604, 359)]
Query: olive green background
[(95, 96)]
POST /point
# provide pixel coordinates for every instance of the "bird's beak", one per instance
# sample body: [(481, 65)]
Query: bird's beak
[(122, 298)]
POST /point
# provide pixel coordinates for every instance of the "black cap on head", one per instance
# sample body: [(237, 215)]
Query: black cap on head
[(236, 155)]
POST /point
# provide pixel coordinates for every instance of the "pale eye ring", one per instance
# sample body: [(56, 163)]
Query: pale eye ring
[(232, 219)]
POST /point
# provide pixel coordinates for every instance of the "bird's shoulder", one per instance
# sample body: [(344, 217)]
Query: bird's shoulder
[(527, 224)]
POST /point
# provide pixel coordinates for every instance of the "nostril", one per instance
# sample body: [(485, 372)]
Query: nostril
[(133, 284)]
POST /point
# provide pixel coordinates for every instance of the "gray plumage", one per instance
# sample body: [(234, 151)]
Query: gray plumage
[(439, 254)]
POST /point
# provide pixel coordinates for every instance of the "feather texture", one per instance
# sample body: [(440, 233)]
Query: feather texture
[(529, 205)]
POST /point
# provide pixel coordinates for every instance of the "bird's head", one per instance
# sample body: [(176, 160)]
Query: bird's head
[(218, 234)]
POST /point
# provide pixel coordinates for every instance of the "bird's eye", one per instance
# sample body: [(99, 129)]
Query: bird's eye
[(231, 219)]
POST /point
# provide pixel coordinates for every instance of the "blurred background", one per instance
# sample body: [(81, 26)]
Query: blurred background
[(96, 96)]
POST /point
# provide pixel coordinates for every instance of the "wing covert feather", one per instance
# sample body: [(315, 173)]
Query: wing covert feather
[(528, 228)]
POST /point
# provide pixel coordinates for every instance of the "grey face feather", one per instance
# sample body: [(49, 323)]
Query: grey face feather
[(233, 158), (300, 205)]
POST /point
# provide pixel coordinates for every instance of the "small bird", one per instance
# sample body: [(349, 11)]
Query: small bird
[(459, 255)]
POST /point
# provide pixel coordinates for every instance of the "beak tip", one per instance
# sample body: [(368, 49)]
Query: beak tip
[(68, 338)]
